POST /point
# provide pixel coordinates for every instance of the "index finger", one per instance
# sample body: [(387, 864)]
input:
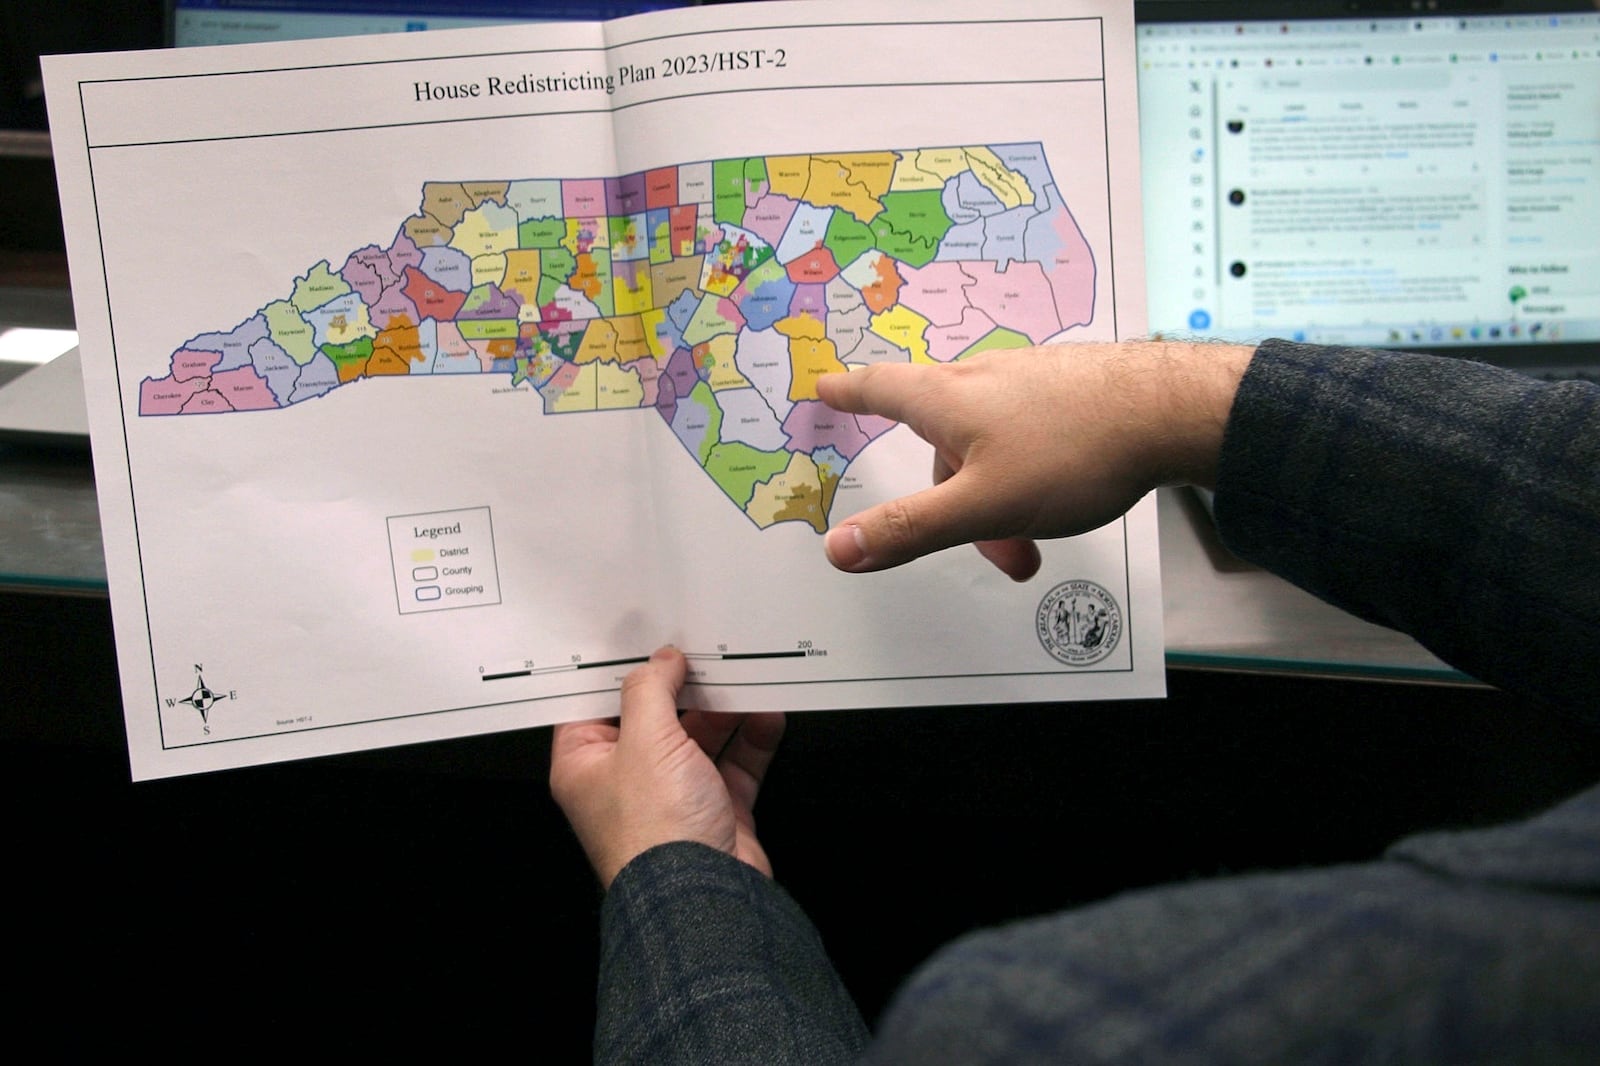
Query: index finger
[(888, 389)]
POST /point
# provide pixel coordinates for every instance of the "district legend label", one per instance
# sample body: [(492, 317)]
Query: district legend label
[(444, 560)]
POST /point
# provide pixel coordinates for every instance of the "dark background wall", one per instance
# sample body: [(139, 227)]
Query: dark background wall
[(31, 224), (28, 31), (432, 896)]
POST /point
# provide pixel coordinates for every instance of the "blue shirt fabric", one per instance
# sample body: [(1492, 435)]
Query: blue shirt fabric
[(1454, 501)]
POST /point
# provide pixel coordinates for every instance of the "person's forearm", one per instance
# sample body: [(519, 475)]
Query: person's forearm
[(705, 960), (1450, 500), (1191, 391), (1046, 442)]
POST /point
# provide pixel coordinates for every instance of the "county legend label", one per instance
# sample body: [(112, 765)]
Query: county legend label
[(444, 560)]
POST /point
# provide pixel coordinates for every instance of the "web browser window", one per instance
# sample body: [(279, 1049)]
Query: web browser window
[(1402, 182)]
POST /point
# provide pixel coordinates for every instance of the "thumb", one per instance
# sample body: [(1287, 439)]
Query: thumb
[(910, 527), (650, 698)]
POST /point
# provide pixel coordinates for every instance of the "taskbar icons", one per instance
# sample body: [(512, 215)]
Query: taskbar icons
[(1201, 323), (1479, 333)]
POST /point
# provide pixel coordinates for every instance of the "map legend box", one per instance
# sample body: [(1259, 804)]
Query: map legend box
[(444, 560)]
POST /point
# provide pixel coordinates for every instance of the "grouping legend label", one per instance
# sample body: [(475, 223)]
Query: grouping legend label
[(444, 560)]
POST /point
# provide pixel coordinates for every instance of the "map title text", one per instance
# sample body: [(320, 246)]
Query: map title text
[(608, 81)]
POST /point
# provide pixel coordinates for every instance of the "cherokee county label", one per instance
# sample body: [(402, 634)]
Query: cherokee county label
[(1079, 623)]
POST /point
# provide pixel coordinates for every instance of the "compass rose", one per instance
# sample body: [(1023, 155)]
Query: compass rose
[(203, 698)]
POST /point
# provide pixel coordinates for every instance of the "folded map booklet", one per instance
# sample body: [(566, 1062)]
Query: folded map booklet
[(435, 379)]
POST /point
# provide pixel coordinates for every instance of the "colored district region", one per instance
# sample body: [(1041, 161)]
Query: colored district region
[(715, 293)]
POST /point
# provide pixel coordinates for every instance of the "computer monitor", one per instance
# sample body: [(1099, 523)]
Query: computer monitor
[(1420, 176), (197, 22)]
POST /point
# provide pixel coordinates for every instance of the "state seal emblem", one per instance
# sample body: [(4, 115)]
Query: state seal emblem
[(1079, 623)]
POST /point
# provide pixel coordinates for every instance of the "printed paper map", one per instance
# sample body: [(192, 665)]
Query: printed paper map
[(715, 293), (422, 407)]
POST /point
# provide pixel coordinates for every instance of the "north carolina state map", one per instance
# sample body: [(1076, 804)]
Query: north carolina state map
[(714, 293)]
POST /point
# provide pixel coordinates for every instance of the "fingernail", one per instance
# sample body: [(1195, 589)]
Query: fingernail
[(666, 651), (845, 547)]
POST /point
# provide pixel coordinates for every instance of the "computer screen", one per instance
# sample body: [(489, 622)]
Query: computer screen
[(196, 22), (1420, 180)]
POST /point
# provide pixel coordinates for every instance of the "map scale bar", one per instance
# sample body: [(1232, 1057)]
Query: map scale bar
[(697, 656)]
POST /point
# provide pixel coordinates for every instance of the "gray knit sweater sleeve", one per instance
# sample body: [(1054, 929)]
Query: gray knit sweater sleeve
[(1450, 500), (1453, 501), (705, 960)]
